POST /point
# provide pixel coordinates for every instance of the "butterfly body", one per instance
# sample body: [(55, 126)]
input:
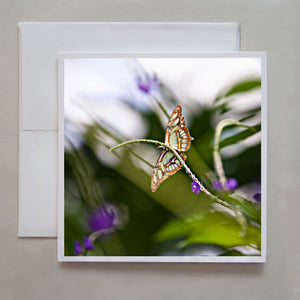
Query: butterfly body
[(178, 137)]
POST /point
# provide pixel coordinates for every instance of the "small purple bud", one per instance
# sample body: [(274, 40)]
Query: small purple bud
[(155, 82), (257, 197), (88, 244), (77, 248), (196, 188), (232, 184), (217, 185), (148, 84), (144, 85)]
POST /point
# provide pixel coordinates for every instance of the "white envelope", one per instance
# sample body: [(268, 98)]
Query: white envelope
[(39, 45)]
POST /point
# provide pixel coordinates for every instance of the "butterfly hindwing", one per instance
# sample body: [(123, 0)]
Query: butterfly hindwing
[(177, 134), (167, 164)]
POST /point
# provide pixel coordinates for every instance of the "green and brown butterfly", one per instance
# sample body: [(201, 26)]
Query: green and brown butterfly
[(178, 137)]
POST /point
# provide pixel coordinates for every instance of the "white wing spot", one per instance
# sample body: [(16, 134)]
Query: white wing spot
[(174, 116), (175, 122), (154, 178), (159, 173)]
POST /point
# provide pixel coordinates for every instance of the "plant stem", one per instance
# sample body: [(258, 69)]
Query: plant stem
[(216, 150), (96, 234), (111, 135), (187, 169), (160, 106)]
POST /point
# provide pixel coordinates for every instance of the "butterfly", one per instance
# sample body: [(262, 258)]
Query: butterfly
[(177, 136)]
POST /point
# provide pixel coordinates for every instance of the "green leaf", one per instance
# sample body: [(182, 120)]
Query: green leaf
[(244, 86), (232, 252), (241, 87), (250, 210), (173, 229), (218, 228), (226, 236), (223, 230), (240, 136), (250, 114)]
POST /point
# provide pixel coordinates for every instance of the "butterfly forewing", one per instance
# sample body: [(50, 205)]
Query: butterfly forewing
[(166, 165), (177, 134)]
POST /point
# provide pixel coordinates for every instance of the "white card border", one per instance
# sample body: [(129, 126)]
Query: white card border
[(177, 259)]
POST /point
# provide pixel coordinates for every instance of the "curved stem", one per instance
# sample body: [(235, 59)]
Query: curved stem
[(216, 150), (96, 234), (187, 169)]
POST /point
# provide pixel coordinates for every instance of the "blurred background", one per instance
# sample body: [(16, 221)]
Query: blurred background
[(109, 101)]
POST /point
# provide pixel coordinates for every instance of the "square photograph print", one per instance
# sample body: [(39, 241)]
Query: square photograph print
[(162, 158)]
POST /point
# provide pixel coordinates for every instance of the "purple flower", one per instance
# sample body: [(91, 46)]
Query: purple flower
[(77, 248), (196, 187), (147, 84), (217, 185), (257, 197), (231, 184), (88, 244), (102, 218)]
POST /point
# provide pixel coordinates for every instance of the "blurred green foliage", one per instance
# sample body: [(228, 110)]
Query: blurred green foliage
[(172, 219)]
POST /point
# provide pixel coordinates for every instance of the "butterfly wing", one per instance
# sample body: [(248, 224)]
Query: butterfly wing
[(177, 134), (167, 164)]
